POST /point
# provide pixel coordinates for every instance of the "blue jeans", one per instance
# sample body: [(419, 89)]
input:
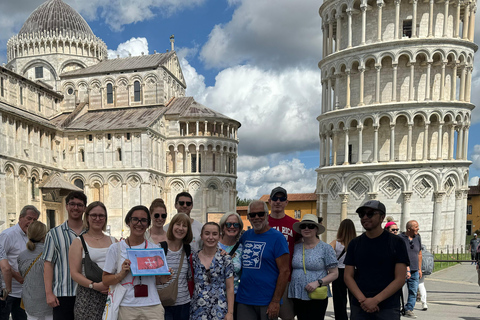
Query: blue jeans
[(412, 285), (181, 312)]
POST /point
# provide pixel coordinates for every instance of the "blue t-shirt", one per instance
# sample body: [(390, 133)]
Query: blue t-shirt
[(259, 268)]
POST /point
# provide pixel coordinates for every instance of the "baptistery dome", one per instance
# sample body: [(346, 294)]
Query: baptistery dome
[(56, 15)]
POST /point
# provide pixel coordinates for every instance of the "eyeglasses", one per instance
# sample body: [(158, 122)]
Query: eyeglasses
[(232, 224), (136, 220), (369, 214), (394, 230), (157, 215), (307, 225), (182, 203), (282, 199), (259, 214), (78, 205), (97, 216)]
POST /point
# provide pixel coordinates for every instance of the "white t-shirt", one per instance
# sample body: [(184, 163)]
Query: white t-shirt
[(196, 230), (129, 299)]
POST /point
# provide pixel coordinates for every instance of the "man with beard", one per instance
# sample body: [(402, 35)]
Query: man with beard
[(375, 267), (59, 286), (265, 267)]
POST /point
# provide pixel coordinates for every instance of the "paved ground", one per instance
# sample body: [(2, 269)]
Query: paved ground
[(452, 293)]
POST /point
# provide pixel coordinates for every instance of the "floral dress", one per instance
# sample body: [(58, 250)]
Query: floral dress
[(209, 301)]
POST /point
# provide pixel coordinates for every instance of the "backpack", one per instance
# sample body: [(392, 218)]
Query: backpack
[(427, 262)]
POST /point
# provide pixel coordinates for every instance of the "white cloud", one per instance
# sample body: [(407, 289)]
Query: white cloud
[(265, 33), (473, 181), (134, 47), (476, 156), (292, 175)]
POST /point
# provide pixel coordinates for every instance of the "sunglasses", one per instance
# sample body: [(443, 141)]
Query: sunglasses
[(282, 199), (307, 225), (182, 203), (232, 224), (411, 244), (157, 215), (369, 214), (253, 214), (394, 230)]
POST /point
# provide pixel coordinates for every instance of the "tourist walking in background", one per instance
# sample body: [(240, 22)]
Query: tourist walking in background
[(30, 267), (346, 233), (158, 215), (93, 246), (428, 262), (474, 242), (392, 227), (283, 223), (265, 267), (139, 302), (375, 267), (231, 225), (177, 251), (413, 243), (14, 240), (213, 296), (314, 267)]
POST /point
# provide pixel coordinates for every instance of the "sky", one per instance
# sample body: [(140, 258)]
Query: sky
[(252, 60)]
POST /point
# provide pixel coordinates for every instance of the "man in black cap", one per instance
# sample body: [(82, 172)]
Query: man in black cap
[(375, 267)]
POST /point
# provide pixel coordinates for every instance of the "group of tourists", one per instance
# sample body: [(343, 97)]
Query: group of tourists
[(277, 268)]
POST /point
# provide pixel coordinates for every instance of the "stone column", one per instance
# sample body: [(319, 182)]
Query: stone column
[(392, 142), (427, 91), (335, 92), (430, 19), (456, 33), (465, 143), (409, 142), (321, 148), (414, 19), (362, 85), (324, 45), (324, 197), (394, 82), (335, 145), (440, 141), (445, 21), (407, 196), (462, 84), (451, 140), (466, 19), (442, 82), (349, 16), (327, 153), (458, 225), (377, 84), (330, 36), (197, 127), (338, 38), (437, 218), (411, 92), (459, 143), (329, 94), (375, 144), (343, 212), (453, 93), (379, 20), (425, 142), (363, 8), (360, 144), (471, 25), (397, 19), (345, 160), (468, 85), (347, 72)]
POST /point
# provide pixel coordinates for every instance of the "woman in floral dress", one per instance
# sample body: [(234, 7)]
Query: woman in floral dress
[(213, 296)]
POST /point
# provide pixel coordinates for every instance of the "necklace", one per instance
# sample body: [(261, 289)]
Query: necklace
[(96, 238)]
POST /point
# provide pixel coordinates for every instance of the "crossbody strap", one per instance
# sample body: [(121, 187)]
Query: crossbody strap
[(31, 265), (234, 249), (341, 254), (84, 245)]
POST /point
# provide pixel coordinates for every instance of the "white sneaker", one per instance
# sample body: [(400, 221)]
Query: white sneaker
[(410, 314), (424, 306)]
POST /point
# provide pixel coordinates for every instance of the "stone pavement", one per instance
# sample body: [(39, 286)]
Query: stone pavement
[(452, 293)]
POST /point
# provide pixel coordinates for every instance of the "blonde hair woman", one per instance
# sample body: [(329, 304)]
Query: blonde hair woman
[(30, 267)]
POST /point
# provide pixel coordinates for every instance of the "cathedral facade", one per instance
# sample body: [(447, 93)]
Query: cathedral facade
[(396, 111), (122, 130)]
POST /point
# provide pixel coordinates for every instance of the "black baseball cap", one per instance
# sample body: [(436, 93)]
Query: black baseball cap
[(373, 204)]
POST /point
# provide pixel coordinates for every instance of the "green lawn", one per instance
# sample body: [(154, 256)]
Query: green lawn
[(453, 257)]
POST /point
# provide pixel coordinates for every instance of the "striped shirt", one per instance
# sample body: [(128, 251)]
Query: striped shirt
[(57, 244), (173, 261)]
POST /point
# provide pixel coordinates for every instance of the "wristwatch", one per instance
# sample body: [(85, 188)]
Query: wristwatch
[(320, 282), (91, 285)]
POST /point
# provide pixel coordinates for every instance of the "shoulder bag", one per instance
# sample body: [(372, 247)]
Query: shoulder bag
[(115, 293), (168, 295), (28, 270), (92, 270)]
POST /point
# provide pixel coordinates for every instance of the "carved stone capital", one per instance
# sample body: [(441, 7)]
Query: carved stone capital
[(407, 196), (373, 195)]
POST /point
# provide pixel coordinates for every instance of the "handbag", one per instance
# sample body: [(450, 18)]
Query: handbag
[(168, 295), (115, 294), (92, 270), (319, 293), (28, 270)]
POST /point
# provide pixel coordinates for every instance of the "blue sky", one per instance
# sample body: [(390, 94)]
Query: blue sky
[(253, 60)]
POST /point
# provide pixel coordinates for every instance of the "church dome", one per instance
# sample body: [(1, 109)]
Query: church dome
[(56, 15)]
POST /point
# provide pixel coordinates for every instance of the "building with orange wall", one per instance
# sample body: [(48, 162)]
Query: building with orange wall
[(473, 209)]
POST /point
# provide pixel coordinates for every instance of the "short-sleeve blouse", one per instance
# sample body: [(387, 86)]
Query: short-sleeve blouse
[(317, 261)]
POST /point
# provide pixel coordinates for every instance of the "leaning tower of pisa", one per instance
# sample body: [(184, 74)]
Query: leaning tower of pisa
[(396, 83)]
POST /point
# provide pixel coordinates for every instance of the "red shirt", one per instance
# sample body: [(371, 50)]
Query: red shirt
[(285, 226)]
